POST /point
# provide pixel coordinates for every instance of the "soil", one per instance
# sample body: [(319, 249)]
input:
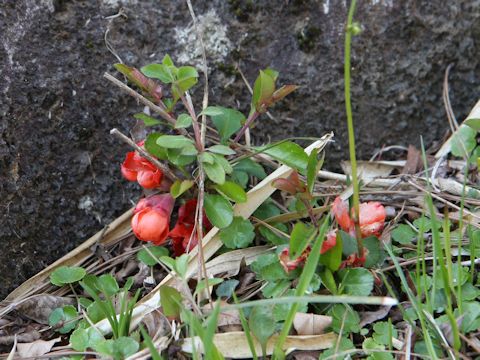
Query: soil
[(59, 167)]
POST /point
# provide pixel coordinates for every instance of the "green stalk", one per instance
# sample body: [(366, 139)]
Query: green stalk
[(246, 329), (303, 283), (351, 133)]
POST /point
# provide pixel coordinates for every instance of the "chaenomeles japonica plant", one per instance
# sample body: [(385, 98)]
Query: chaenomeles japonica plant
[(190, 154)]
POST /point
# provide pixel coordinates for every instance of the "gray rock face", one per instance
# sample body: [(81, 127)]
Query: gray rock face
[(59, 168)]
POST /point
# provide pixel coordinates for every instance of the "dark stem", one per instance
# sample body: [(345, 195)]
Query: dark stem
[(166, 170), (247, 124)]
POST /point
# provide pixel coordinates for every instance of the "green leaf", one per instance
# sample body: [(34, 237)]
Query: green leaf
[(267, 267), (67, 275), (183, 121), (328, 280), (302, 234), (107, 284), (173, 141), (214, 172), (344, 344), (171, 301), (206, 158), (159, 71), (349, 243), (176, 157), (147, 120), (223, 162), (288, 153), (262, 323), (187, 76), (180, 186), (226, 289), (189, 150), (263, 88), (239, 234), (219, 211), (221, 149), (64, 319), (82, 339), (474, 123), (167, 60), (154, 149), (463, 140), (213, 111), (232, 191), (119, 349), (202, 285), (376, 254), (356, 281), (226, 121), (403, 234), (382, 331), (157, 252), (95, 312), (333, 257), (345, 320), (380, 354), (251, 167)]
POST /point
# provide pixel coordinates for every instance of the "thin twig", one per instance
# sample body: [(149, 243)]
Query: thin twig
[(167, 172), (201, 172), (156, 108)]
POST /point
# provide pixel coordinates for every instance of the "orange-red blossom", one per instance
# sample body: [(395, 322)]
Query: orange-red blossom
[(136, 168), (151, 219), (371, 221)]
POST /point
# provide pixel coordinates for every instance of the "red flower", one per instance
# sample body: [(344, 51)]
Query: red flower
[(291, 264), (181, 234), (329, 242), (151, 221), (372, 217), (341, 212), (354, 260), (136, 168)]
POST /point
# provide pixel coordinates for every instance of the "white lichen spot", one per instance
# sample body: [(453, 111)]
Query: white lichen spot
[(117, 3), (326, 7), (85, 203), (217, 43), (387, 3)]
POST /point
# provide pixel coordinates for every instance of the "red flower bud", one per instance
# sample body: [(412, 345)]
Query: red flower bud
[(151, 221)]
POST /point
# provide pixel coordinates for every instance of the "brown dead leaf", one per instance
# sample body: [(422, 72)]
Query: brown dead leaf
[(311, 324), (157, 325), (36, 348), (39, 307), (25, 337), (414, 161), (306, 355), (368, 317)]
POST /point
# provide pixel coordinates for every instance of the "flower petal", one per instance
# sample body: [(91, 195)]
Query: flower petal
[(340, 211)]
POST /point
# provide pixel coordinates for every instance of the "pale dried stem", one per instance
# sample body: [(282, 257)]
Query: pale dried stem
[(166, 171), (201, 180)]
